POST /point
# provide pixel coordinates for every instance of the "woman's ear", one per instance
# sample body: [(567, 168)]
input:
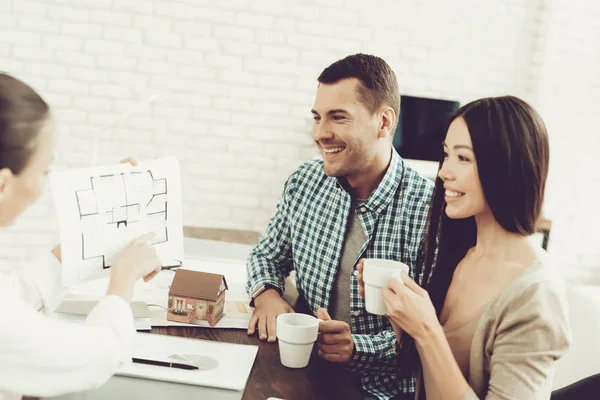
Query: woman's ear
[(5, 177), (387, 122)]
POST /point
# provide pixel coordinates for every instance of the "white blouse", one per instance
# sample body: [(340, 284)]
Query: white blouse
[(40, 356)]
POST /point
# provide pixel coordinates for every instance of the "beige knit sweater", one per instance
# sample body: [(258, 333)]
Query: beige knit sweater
[(519, 337)]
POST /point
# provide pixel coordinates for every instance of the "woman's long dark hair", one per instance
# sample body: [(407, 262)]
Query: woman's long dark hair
[(511, 149)]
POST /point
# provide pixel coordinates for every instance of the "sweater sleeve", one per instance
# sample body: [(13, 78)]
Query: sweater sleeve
[(532, 333)]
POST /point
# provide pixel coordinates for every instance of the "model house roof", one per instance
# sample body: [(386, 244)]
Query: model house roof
[(199, 285)]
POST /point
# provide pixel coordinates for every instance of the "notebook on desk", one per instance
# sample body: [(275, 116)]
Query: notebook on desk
[(221, 365)]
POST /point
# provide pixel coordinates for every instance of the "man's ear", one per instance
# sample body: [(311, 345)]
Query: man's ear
[(6, 176), (387, 119)]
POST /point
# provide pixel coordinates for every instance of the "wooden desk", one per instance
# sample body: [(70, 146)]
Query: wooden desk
[(320, 380), (268, 378)]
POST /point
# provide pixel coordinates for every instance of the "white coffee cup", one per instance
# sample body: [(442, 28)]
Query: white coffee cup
[(376, 274), (296, 334)]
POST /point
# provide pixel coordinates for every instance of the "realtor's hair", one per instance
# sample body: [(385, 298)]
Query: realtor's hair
[(22, 114), (378, 82), (511, 148)]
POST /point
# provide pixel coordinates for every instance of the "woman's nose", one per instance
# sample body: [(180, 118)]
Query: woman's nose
[(444, 172)]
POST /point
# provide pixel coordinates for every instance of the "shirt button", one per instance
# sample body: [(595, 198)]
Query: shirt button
[(363, 209), (366, 379), (356, 313)]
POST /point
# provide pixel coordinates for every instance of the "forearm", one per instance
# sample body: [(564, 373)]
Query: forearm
[(436, 355), (374, 353), (57, 252), (271, 259), (122, 281), (262, 270), (258, 277), (398, 332)]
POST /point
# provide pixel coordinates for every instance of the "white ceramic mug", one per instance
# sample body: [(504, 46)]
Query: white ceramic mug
[(296, 334), (376, 274)]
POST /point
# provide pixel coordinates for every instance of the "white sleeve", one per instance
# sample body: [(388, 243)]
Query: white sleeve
[(40, 356), (38, 283)]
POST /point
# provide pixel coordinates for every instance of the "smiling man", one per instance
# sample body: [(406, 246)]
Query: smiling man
[(360, 201)]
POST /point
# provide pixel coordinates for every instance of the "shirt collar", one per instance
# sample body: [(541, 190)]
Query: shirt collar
[(383, 194)]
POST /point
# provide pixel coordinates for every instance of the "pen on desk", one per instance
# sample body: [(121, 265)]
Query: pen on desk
[(163, 363)]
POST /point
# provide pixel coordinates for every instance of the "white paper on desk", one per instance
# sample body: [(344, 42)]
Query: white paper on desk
[(234, 361), (102, 209)]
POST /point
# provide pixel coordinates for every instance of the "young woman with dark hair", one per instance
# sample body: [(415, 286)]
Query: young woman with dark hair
[(488, 317), (41, 356)]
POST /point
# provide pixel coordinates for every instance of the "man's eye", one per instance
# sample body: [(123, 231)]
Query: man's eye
[(338, 117), (317, 119)]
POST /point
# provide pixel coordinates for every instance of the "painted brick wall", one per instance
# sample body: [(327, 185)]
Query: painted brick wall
[(567, 97), (234, 83)]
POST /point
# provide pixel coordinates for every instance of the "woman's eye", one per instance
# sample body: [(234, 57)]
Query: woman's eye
[(463, 158), (445, 155)]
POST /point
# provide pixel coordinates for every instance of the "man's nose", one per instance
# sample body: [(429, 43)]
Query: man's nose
[(322, 131)]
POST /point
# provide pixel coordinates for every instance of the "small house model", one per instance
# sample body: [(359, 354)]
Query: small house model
[(196, 296)]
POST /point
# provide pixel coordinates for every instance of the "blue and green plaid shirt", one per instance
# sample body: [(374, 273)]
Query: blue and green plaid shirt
[(307, 233)]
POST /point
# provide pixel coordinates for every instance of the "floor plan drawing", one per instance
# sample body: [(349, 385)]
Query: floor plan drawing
[(118, 201), (102, 209)]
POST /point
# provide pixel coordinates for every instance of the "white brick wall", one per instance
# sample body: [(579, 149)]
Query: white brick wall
[(235, 81), (567, 97)]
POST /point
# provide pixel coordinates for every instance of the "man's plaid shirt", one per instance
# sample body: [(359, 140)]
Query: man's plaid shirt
[(307, 233)]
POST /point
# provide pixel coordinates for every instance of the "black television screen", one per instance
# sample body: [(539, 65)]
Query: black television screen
[(421, 127)]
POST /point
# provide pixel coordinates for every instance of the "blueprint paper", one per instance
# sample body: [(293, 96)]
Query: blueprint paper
[(102, 209)]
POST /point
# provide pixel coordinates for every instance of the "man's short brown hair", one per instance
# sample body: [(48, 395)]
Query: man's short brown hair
[(379, 84)]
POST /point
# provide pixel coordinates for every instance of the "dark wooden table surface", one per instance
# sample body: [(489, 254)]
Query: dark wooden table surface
[(320, 380)]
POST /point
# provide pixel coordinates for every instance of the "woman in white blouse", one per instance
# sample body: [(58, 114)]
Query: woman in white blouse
[(40, 356)]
